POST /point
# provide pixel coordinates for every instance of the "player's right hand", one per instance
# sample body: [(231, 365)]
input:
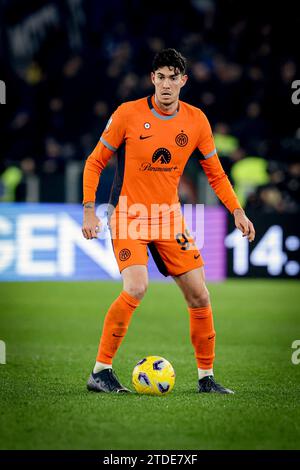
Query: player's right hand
[(91, 225)]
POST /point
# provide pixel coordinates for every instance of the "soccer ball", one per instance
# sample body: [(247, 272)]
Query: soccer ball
[(153, 375)]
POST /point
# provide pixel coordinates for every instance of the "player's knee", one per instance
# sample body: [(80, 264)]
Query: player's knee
[(137, 290), (198, 298)]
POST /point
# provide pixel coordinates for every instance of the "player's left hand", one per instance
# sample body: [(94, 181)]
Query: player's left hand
[(244, 224)]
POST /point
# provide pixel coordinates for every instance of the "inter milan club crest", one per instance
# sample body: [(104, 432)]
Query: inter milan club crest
[(147, 125), (181, 139), (124, 254)]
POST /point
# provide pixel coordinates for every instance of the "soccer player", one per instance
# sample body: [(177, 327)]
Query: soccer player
[(154, 137)]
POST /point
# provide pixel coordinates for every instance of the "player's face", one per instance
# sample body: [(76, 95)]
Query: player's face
[(167, 83)]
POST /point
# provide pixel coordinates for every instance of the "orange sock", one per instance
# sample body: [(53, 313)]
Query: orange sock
[(203, 336), (115, 326)]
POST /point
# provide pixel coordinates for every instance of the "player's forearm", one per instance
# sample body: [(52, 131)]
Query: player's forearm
[(220, 183), (91, 175), (226, 194), (94, 165)]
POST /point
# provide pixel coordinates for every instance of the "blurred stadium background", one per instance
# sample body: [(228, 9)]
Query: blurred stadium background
[(66, 65)]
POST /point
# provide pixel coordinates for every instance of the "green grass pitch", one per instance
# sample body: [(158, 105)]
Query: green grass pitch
[(51, 331)]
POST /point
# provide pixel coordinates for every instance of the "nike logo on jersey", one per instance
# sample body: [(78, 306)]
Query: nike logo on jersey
[(142, 137), (196, 256)]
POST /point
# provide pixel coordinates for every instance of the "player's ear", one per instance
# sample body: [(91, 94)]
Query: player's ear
[(152, 78), (184, 80)]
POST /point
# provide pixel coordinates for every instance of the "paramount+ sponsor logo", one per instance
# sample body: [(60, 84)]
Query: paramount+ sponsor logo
[(160, 159), (162, 156)]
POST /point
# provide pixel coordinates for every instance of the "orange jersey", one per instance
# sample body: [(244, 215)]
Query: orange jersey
[(153, 149)]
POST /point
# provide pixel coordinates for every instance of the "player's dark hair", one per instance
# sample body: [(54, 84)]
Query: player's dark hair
[(170, 58)]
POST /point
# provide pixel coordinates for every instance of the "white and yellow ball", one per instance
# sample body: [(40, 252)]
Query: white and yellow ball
[(153, 375)]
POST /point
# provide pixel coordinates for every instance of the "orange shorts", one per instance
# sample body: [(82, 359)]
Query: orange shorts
[(173, 248)]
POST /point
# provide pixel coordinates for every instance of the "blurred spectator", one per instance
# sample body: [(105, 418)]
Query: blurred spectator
[(252, 128), (27, 189), (69, 74), (282, 192), (9, 181), (227, 146), (247, 175)]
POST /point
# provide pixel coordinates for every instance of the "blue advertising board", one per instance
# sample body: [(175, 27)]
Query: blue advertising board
[(45, 242)]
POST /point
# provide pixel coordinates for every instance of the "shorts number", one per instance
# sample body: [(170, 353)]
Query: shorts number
[(182, 240)]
